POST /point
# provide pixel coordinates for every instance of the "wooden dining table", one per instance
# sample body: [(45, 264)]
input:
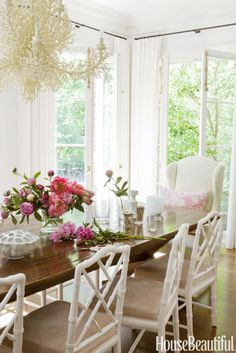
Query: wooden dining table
[(51, 264)]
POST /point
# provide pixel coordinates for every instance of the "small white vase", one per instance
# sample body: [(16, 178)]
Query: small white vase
[(16, 243)]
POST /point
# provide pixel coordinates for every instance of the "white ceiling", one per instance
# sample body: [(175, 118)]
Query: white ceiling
[(140, 16)]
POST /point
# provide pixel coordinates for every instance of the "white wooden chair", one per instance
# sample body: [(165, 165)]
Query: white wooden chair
[(92, 326), (13, 331), (148, 304), (199, 272)]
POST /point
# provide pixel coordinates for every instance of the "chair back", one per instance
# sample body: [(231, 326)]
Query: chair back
[(206, 251), (169, 296), (198, 174), (17, 287), (100, 299)]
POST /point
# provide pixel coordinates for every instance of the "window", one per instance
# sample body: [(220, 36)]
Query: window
[(105, 115), (220, 113), (184, 110), (70, 113), (70, 133), (216, 97), (86, 128)]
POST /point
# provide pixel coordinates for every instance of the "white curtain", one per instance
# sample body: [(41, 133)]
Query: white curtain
[(231, 224), (144, 116), (123, 107), (36, 142)]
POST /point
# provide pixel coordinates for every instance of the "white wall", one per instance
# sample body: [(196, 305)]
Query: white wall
[(8, 137), (184, 45)]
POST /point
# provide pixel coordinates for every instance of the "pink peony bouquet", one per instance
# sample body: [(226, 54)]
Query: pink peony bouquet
[(90, 234), (68, 231), (47, 202)]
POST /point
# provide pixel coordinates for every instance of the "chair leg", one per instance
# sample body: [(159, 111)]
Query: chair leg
[(43, 295), (60, 291), (213, 305), (138, 338), (176, 324), (189, 315), (161, 339), (117, 348)]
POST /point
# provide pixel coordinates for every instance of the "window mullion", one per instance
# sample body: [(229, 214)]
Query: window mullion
[(203, 113)]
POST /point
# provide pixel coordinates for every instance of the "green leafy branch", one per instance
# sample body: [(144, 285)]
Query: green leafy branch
[(120, 189), (107, 236)]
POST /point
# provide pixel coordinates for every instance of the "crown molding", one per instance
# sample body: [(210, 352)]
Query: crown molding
[(107, 19), (97, 16)]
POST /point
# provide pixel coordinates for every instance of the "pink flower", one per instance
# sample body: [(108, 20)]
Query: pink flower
[(57, 207), (4, 214), (45, 200), (67, 198), (26, 208), (56, 237), (87, 200), (109, 173), (83, 234), (31, 181), (59, 185), (64, 231), (23, 193), (40, 187), (51, 173), (6, 200), (76, 189), (91, 194), (67, 229)]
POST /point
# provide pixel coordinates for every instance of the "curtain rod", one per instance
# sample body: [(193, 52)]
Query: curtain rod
[(195, 30), (78, 25)]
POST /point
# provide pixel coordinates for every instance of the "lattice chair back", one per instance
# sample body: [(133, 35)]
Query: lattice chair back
[(96, 315), (173, 274), (206, 250), (16, 285)]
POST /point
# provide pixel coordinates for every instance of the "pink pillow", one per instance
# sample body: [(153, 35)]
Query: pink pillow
[(192, 200)]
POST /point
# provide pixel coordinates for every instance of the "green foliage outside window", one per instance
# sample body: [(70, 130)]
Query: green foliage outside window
[(70, 114), (184, 110)]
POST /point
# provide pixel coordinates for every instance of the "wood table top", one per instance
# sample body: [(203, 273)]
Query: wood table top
[(50, 264)]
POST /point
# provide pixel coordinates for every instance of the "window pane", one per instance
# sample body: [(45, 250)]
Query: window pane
[(70, 113), (70, 122), (70, 162), (220, 113), (105, 113), (184, 110)]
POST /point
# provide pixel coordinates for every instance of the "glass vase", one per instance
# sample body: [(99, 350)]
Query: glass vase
[(101, 205), (49, 225), (128, 226)]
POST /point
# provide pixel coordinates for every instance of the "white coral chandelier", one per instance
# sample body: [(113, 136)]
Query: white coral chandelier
[(33, 35)]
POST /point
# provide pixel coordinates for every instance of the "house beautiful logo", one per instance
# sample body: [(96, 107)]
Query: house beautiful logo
[(218, 344)]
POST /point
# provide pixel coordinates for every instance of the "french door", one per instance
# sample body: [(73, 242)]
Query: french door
[(217, 111), (200, 96)]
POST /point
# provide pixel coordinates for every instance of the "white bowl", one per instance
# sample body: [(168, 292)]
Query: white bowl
[(16, 243)]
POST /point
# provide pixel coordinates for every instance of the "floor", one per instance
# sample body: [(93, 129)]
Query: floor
[(226, 308)]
